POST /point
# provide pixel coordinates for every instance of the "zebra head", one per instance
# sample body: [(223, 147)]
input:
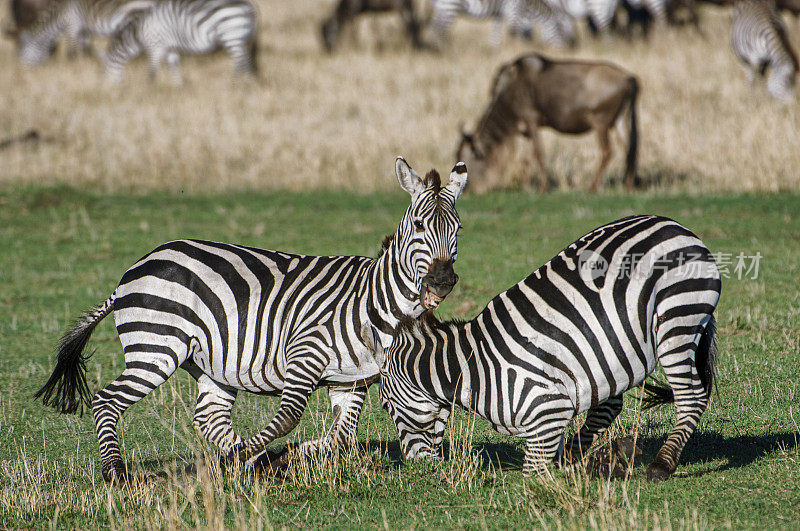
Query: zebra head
[(413, 411), (426, 239)]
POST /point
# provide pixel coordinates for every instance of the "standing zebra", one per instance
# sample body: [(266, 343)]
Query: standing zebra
[(274, 323), (519, 15), (760, 41), (571, 337), (79, 20), (194, 26)]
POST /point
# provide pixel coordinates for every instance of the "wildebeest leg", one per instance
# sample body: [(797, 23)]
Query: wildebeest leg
[(412, 26), (532, 132), (605, 156)]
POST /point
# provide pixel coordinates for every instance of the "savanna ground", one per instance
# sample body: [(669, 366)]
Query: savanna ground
[(302, 161)]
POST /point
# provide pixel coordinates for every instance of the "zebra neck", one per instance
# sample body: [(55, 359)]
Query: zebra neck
[(392, 294)]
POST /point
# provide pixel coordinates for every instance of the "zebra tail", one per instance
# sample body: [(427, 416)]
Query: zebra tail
[(67, 390), (633, 136), (254, 54), (659, 393)]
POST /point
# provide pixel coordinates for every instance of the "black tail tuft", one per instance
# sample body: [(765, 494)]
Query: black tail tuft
[(706, 356), (659, 393), (67, 390), (254, 55), (656, 394)]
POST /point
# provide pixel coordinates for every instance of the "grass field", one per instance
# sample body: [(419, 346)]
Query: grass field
[(64, 250), (319, 121)]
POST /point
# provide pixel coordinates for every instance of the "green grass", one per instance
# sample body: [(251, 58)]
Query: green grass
[(64, 250)]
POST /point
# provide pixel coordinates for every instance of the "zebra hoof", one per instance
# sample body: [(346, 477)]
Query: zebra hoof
[(115, 473), (658, 472), (272, 463)]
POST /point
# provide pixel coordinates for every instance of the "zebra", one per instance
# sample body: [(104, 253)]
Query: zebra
[(194, 26), (79, 20), (760, 41), (246, 319), (520, 15), (571, 337)]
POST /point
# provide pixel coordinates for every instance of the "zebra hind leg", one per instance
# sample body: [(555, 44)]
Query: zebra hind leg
[(688, 363), (598, 419), (146, 368)]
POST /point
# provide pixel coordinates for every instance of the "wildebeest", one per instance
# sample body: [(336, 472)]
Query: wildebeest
[(570, 96), (24, 13), (347, 10)]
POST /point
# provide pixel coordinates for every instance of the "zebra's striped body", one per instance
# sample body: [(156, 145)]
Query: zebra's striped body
[(571, 337), (172, 27), (245, 319), (79, 20), (518, 15), (759, 40)]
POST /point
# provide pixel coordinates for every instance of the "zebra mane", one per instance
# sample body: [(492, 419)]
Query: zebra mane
[(427, 322), (432, 180), (387, 241)]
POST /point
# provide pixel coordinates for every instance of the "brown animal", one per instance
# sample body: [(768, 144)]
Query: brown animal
[(347, 10), (570, 96), (24, 13)]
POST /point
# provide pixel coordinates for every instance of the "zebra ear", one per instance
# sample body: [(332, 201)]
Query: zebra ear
[(458, 179), (408, 178), (372, 340)]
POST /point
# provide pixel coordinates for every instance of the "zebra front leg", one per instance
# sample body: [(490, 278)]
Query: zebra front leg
[(145, 370), (303, 372), (545, 434), (598, 419), (346, 405), (212, 416), (439, 424)]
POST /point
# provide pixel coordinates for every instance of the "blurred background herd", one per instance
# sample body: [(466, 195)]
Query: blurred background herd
[(125, 95)]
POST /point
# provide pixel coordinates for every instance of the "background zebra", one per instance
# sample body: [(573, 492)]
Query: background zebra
[(79, 20), (193, 26), (518, 15), (240, 318), (571, 337), (759, 40)]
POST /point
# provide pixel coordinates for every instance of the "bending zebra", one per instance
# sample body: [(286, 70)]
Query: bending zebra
[(760, 41), (571, 337), (193, 26), (555, 25), (79, 20), (244, 319)]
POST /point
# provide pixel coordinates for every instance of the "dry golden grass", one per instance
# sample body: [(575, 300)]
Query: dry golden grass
[(320, 121)]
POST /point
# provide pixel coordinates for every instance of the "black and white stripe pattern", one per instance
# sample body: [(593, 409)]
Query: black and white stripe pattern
[(518, 15), (573, 336), (244, 319), (760, 41), (173, 27), (79, 20)]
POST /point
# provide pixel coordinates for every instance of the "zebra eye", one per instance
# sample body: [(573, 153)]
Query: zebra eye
[(418, 225)]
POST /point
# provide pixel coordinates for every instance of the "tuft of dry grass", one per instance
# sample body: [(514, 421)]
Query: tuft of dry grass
[(337, 121)]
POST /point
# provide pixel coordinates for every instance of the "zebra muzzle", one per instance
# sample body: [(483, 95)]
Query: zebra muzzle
[(438, 283)]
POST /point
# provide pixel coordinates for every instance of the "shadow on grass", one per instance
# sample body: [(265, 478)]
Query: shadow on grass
[(739, 451)]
